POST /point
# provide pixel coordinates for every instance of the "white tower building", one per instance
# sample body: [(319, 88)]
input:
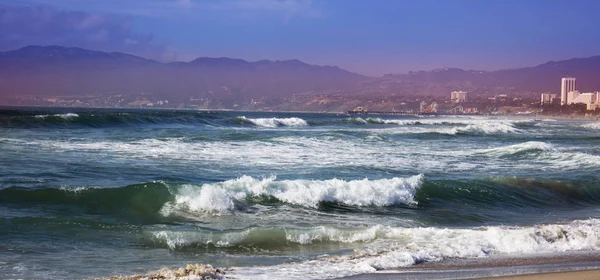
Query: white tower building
[(567, 85)]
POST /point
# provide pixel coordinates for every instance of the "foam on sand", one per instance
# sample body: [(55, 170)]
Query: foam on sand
[(190, 271)]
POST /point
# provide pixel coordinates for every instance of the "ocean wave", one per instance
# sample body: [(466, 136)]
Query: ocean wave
[(486, 128), (106, 119), (403, 247), (222, 197), (592, 125), (356, 120), (140, 202), (458, 125), (66, 116), (545, 154), (274, 122), (160, 201), (520, 149), (274, 238)]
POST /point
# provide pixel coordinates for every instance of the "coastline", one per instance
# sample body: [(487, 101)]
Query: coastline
[(578, 265), (515, 116), (580, 274)]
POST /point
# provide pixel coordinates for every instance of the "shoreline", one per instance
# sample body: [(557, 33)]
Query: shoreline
[(579, 274), (579, 265)]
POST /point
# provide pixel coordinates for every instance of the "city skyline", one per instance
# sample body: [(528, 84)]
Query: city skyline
[(371, 38)]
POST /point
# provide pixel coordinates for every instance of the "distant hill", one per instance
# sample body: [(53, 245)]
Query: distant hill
[(227, 82), (542, 78), (55, 70)]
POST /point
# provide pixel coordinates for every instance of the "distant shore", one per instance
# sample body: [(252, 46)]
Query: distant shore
[(523, 116), (552, 117)]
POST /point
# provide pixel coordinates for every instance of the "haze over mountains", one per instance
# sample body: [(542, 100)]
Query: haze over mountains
[(63, 71), (54, 70)]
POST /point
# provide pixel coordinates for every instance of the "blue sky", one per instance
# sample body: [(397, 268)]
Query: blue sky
[(366, 36)]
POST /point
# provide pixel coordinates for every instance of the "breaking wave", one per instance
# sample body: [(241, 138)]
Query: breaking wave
[(520, 149), (452, 126), (64, 116), (157, 201), (274, 122), (356, 120), (402, 247), (592, 125), (222, 196)]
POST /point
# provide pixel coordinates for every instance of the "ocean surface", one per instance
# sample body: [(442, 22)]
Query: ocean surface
[(98, 192)]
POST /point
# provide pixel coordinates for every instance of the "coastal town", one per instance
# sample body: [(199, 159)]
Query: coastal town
[(570, 102), (567, 100)]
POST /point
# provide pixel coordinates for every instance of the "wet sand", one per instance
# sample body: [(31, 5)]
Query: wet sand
[(579, 275)]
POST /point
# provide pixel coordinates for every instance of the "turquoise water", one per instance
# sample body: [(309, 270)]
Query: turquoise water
[(99, 192)]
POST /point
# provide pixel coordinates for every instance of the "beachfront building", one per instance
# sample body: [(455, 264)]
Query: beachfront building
[(458, 96), (547, 98), (571, 96), (590, 99), (567, 85)]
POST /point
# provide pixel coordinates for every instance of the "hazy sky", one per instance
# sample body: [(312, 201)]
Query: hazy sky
[(366, 36)]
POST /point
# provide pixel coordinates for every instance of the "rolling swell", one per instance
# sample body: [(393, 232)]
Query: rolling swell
[(152, 201), (509, 193), (140, 202), (103, 119)]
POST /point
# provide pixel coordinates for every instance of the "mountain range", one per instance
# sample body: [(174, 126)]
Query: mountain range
[(541, 78), (55, 70), (64, 71)]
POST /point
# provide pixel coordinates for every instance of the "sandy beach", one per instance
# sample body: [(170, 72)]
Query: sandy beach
[(580, 275)]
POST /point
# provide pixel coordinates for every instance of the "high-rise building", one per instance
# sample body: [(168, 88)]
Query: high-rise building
[(567, 85), (458, 96)]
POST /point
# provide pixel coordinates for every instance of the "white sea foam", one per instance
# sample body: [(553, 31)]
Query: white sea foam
[(592, 125), (284, 152), (573, 160), (66, 116), (221, 197), (521, 147), (488, 128), (454, 126), (401, 247), (357, 120), (276, 122), (175, 239), (289, 152)]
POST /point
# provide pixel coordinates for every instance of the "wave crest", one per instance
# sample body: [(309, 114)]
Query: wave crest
[(275, 122), (221, 197), (66, 116)]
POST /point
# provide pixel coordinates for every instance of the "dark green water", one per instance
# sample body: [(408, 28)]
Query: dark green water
[(97, 192)]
